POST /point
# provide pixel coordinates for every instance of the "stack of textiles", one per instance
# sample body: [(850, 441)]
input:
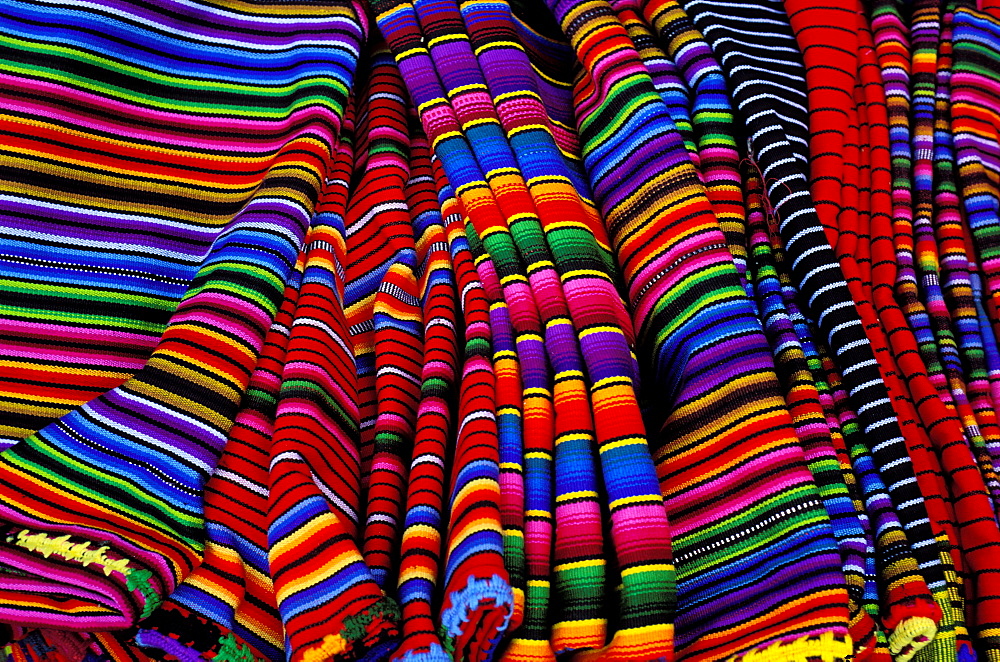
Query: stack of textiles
[(515, 330)]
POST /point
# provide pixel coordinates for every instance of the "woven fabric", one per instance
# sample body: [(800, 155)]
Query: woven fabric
[(227, 607), (330, 600), (490, 177), (853, 196), (973, 86), (774, 121), (594, 330), (420, 545), (673, 254), (183, 185), (953, 416), (809, 418), (853, 458)]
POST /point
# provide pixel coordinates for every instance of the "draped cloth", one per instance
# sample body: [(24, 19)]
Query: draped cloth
[(432, 330)]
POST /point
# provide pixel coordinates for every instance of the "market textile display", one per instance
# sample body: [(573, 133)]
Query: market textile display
[(523, 330)]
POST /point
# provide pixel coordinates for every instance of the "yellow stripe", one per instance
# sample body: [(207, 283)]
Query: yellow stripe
[(413, 51), (643, 498), (573, 565), (92, 372), (632, 441), (653, 567), (447, 136), (471, 87), (606, 329), (478, 122), (611, 381), (569, 373), (513, 278), (579, 494), (500, 44), (585, 272)]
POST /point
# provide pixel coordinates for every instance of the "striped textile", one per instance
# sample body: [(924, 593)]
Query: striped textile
[(968, 375), (382, 309), (481, 291), (975, 404), (420, 545), (935, 39), (587, 299), (975, 47), (576, 239), (956, 418), (842, 425), (716, 156), (598, 330), (184, 185), (755, 43), (579, 562), (975, 106), (971, 88), (443, 23), (892, 48), (678, 272), (329, 600), (479, 601), (402, 25), (228, 602), (479, 604), (811, 426), (846, 129), (553, 63)]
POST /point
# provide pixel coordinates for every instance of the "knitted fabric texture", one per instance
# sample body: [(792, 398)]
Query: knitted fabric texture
[(470, 330)]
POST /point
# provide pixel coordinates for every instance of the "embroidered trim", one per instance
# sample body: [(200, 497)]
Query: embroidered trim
[(434, 653), (170, 646), (80, 552), (83, 553), (140, 580), (468, 599), (379, 618), (356, 627), (824, 648), (231, 650), (331, 646), (910, 636)]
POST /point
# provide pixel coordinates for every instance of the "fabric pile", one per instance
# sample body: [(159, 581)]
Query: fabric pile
[(469, 330)]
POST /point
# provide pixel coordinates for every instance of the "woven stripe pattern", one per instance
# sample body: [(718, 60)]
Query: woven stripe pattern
[(474, 330)]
